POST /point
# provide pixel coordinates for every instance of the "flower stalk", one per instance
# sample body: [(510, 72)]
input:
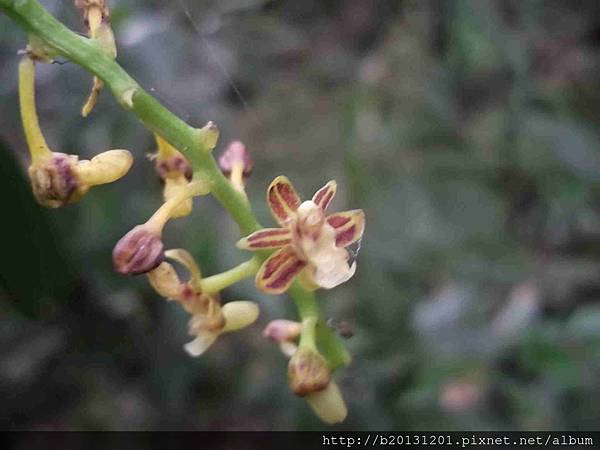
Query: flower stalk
[(218, 282), (36, 142)]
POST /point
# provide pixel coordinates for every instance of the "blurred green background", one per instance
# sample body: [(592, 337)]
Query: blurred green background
[(468, 130)]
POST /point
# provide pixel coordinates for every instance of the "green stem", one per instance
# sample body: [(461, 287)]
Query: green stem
[(30, 15), (218, 282), (308, 338), (329, 343)]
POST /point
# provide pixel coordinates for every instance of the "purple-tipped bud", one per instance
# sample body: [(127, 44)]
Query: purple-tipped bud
[(282, 330), (54, 181), (139, 251), (308, 372), (235, 153)]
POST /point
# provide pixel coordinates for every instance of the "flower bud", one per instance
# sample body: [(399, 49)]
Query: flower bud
[(54, 180), (236, 153), (328, 404), (239, 315), (236, 164), (58, 179), (308, 372), (282, 330), (104, 168), (175, 171), (139, 251)]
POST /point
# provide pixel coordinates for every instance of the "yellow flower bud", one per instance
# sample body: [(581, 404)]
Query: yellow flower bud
[(104, 168), (239, 315)]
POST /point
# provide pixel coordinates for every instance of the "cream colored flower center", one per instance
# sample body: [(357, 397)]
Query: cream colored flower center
[(314, 242)]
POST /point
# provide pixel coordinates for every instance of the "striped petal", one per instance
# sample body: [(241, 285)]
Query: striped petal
[(266, 238), (349, 226), (324, 195), (278, 271), (282, 199)]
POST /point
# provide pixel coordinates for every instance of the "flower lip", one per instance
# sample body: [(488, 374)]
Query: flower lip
[(139, 251)]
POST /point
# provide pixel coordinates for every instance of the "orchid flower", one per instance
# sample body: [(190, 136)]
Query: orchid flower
[(209, 318), (308, 241)]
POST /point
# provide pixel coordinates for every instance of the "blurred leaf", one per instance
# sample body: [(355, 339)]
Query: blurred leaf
[(573, 144), (585, 323)]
